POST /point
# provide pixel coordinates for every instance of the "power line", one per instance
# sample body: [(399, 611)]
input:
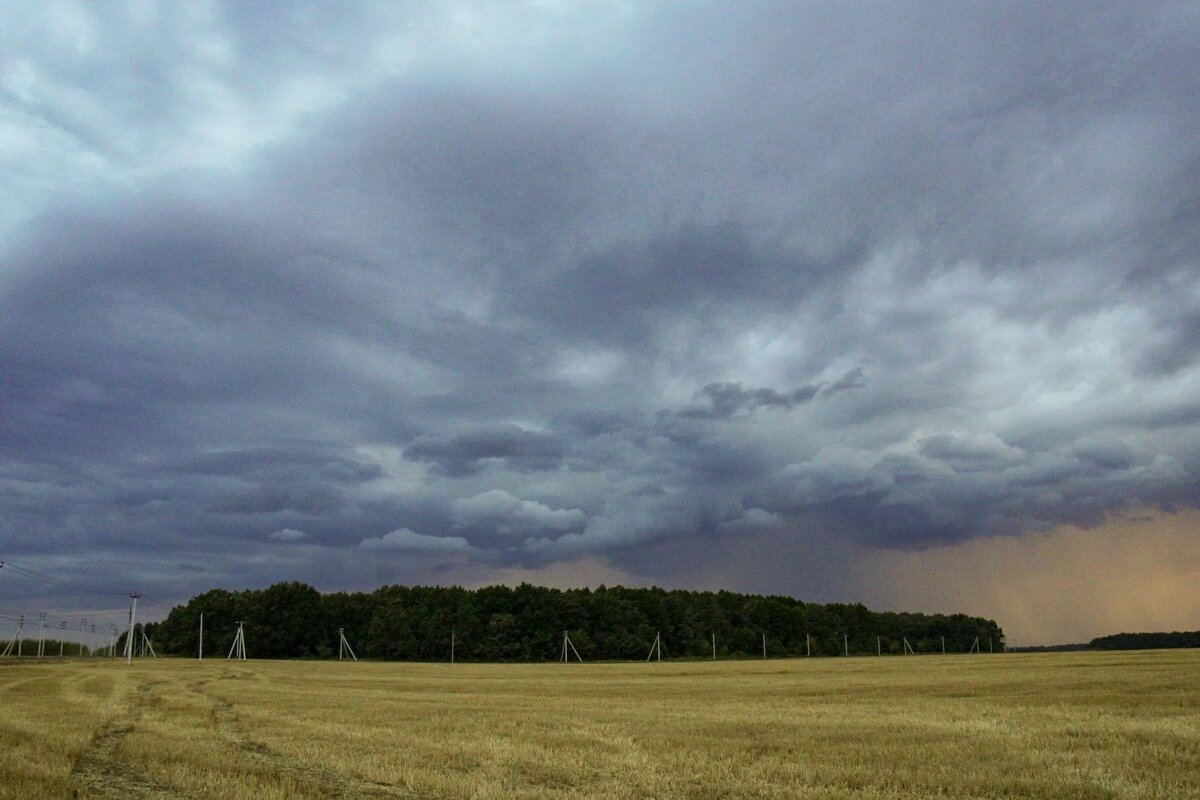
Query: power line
[(70, 618), (69, 584)]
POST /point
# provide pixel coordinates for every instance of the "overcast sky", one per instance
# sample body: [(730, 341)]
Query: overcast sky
[(811, 298)]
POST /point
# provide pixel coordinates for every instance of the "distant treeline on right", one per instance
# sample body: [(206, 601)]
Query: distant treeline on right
[(1146, 641), (1160, 640)]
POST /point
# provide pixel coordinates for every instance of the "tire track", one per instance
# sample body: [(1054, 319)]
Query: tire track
[(100, 773), (330, 784)]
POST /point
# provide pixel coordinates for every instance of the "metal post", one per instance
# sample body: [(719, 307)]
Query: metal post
[(132, 620), (714, 637), (943, 645), (452, 645), (343, 646), (807, 646), (201, 637), (764, 646)]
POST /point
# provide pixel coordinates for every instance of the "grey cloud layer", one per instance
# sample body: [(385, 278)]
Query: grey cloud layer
[(896, 276)]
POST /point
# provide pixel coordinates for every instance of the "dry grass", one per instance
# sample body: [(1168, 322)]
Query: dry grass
[(1124, 725)]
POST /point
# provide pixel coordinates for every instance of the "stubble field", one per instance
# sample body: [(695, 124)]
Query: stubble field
[(1120, 725)]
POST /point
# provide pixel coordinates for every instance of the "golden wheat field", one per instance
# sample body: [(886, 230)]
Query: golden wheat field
[(1092, 725)]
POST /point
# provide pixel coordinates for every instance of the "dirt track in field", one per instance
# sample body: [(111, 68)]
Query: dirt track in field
[(101, 773), (330, 784)]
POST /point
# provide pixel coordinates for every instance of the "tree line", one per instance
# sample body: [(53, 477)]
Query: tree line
[(1156, 640), (526, 623), (1146, 641)]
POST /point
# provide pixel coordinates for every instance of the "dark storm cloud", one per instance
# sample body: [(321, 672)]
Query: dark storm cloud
[(382, 282), (281, 464), (623, 294), (728, 398), (464, 452), (1107, 454)]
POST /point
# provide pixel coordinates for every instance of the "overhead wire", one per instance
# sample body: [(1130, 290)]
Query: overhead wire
[(60, 624), (29, 573), (100, 617)]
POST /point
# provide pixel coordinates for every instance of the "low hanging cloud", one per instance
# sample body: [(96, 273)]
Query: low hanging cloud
[(470, 450), (726, 399), (968, 452), (503, 513), (405, 540), (288, 535)]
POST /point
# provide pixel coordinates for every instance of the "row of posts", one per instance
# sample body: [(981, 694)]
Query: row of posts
[(17, 643), (132, 644), (568, 647), (238, 649)]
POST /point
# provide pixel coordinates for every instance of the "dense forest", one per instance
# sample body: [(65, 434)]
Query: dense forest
[(526, 623), (1146, 641), (1122, 641)]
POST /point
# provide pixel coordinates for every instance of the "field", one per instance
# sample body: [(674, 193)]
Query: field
[(1079, 725)]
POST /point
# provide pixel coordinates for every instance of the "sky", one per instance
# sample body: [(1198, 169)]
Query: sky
[(893, 303)]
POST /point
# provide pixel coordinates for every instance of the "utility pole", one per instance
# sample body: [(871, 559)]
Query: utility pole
[(846, 642), (943, 645), (714, 637), (878, 647), (41, 634), (764, 646), (16, 640), (62, 628), (567, 643), (656, 647), (344, 645), (147, 646), (452, 645), (807, 646), (238, 651), (132, 620), (201, 637)]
